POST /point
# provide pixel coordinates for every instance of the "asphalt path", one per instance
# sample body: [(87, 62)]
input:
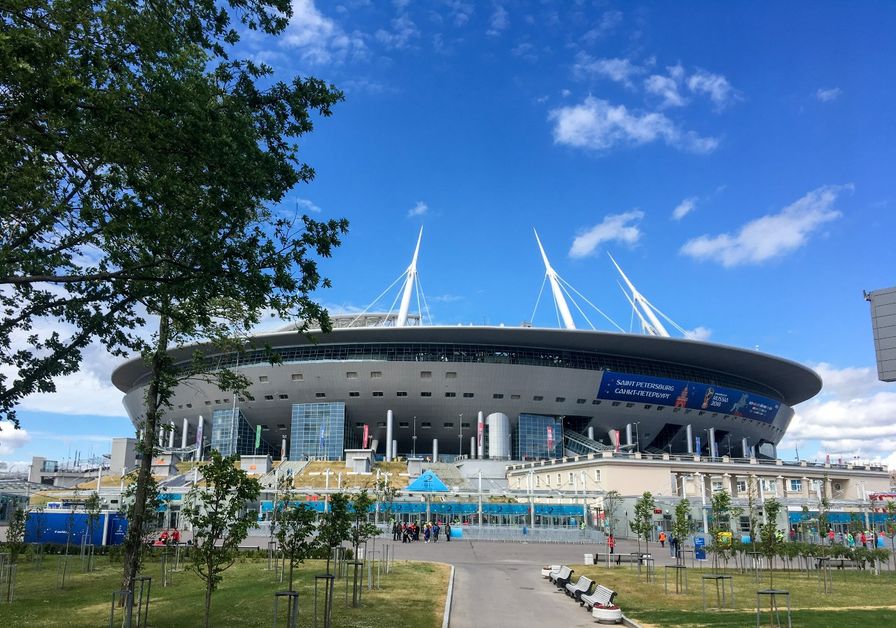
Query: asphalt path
[(500, 584)]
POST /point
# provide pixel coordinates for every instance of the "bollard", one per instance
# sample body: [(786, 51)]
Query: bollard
[(124, 599), (292, 608)]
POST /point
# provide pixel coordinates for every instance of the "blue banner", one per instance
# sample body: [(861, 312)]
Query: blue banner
[(680, 394)]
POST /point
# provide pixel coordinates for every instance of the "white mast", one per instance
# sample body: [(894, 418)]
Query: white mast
[(655, 326), (408, 286), (559, 299)]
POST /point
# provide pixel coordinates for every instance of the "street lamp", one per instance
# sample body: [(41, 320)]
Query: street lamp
[(414, 439), (637, 437), (460, 434)]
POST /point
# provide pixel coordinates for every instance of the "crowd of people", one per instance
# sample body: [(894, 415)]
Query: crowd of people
[(409, 532)]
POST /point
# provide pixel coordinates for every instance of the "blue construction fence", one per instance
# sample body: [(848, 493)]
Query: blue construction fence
[(63, 527), (453, 508)]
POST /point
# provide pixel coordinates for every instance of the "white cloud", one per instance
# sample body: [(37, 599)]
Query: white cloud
[(11, 438), (771, 235), (698, 333), (613, 228), (715, 86), (320, 39), (684, 208), (667, 87), (615, 69), (854, 415), (599, 125), (609, 20), (827, 95), (307, 205), (403, 31), (499, 21), (420, 209)]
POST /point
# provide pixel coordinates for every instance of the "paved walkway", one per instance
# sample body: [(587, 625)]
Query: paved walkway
[(500, 584)]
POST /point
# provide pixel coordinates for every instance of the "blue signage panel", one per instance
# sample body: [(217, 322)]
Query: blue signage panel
[(680, 394), (699, 548)]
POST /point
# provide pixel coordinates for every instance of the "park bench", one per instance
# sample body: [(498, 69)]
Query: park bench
[(627, 558), (582, 587), (602, 596), (562, 577), (547, 570)]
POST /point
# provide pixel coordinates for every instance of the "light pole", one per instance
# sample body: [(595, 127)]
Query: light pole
[(460, 434), (414, 440), (637, 437)]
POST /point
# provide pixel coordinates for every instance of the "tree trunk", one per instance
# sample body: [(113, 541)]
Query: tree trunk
[(133, 544), (208, 603), (291, 563)]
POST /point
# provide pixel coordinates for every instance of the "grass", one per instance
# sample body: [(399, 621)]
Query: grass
[(314, 475), (413, 594), (859, 598)]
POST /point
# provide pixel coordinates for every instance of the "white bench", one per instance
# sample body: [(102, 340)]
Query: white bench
[(547, 570), (561, 577), (582, 587), (602, 596)]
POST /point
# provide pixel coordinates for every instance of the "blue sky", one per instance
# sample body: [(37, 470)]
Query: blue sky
[(735, 158)]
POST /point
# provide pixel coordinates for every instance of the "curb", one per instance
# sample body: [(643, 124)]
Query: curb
[(446, 617)]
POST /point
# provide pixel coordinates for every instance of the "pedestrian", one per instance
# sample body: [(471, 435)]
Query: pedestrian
[(611, 543), (435, 532), (426, 533), (447, 532), (662, 539), (175, 537), (831, 536), (863, 539)]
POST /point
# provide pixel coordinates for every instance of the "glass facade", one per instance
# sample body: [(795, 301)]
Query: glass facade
[(318, 431), (232, 434), (539, 437)]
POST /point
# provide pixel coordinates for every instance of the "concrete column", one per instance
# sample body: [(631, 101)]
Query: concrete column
[(480, 435), (591, 432), (628, 433), (171, 434), (389, 454), (374, 444), (435, 450), (183, 434), (394, 450), (744, 448), (690, 438), (712, 443), (199, 437), (473, 447), (161, 436)]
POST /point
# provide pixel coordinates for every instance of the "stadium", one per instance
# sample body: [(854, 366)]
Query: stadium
[(388, 382)]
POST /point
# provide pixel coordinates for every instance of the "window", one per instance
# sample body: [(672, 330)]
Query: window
[(378, 393), (796, 486), (629, 405), (537, 398), (297, 377), (595, 402), (404, 425), (208, 403), (425, 374), (558, 479), (269, 397), (547, 479), (448, 425), (376, 374), (401, 393), (263, 378), (616, 403), (351, 375), (450, 394), (425, 425), (514, 396), (718, 486), (465, 426), (450, 375), (497, 396), (426, 394), (283, 396), (320, 395), (381, 424), (354, 393), (597, 475), (571, 478), (769, 487), (537, 481), (560, 399), (741, 486), (468, 395), (581, 401)]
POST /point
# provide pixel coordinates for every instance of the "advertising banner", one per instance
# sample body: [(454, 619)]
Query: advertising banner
[(681, 394), (364, 437), (550, 439), (257, 437), (480, 428)]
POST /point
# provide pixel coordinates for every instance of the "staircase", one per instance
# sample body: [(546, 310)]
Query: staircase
[(581, 445)]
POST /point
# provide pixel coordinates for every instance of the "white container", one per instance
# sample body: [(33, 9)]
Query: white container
[(589, 559)]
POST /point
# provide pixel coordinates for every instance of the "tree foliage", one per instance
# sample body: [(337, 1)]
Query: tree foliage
[(334, 525), (220, 520), (769, 534), (361, 528), (610, 507), (642, 523), (720, 509), (681, 525)]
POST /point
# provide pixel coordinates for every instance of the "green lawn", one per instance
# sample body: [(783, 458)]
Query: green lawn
[(413, 594), (859, 599)]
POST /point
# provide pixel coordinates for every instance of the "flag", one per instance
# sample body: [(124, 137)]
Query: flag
[(323, 433), (550, 439), (364, 438), (698, 445), (616, 433), (257, 436), (480, 429), (199, 434)]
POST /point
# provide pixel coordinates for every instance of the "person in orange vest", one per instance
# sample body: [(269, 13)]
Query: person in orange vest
[(611, 543), (662, 539)]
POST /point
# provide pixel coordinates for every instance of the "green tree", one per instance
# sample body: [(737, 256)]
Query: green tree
[(332, 530), (681, 526), (361, 529), (385, 493), (611, 502), (142, 167), (642, 522), (769, 536), (295, 533), (15, 543), (220, 519), (720, 509), (93, 507)]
